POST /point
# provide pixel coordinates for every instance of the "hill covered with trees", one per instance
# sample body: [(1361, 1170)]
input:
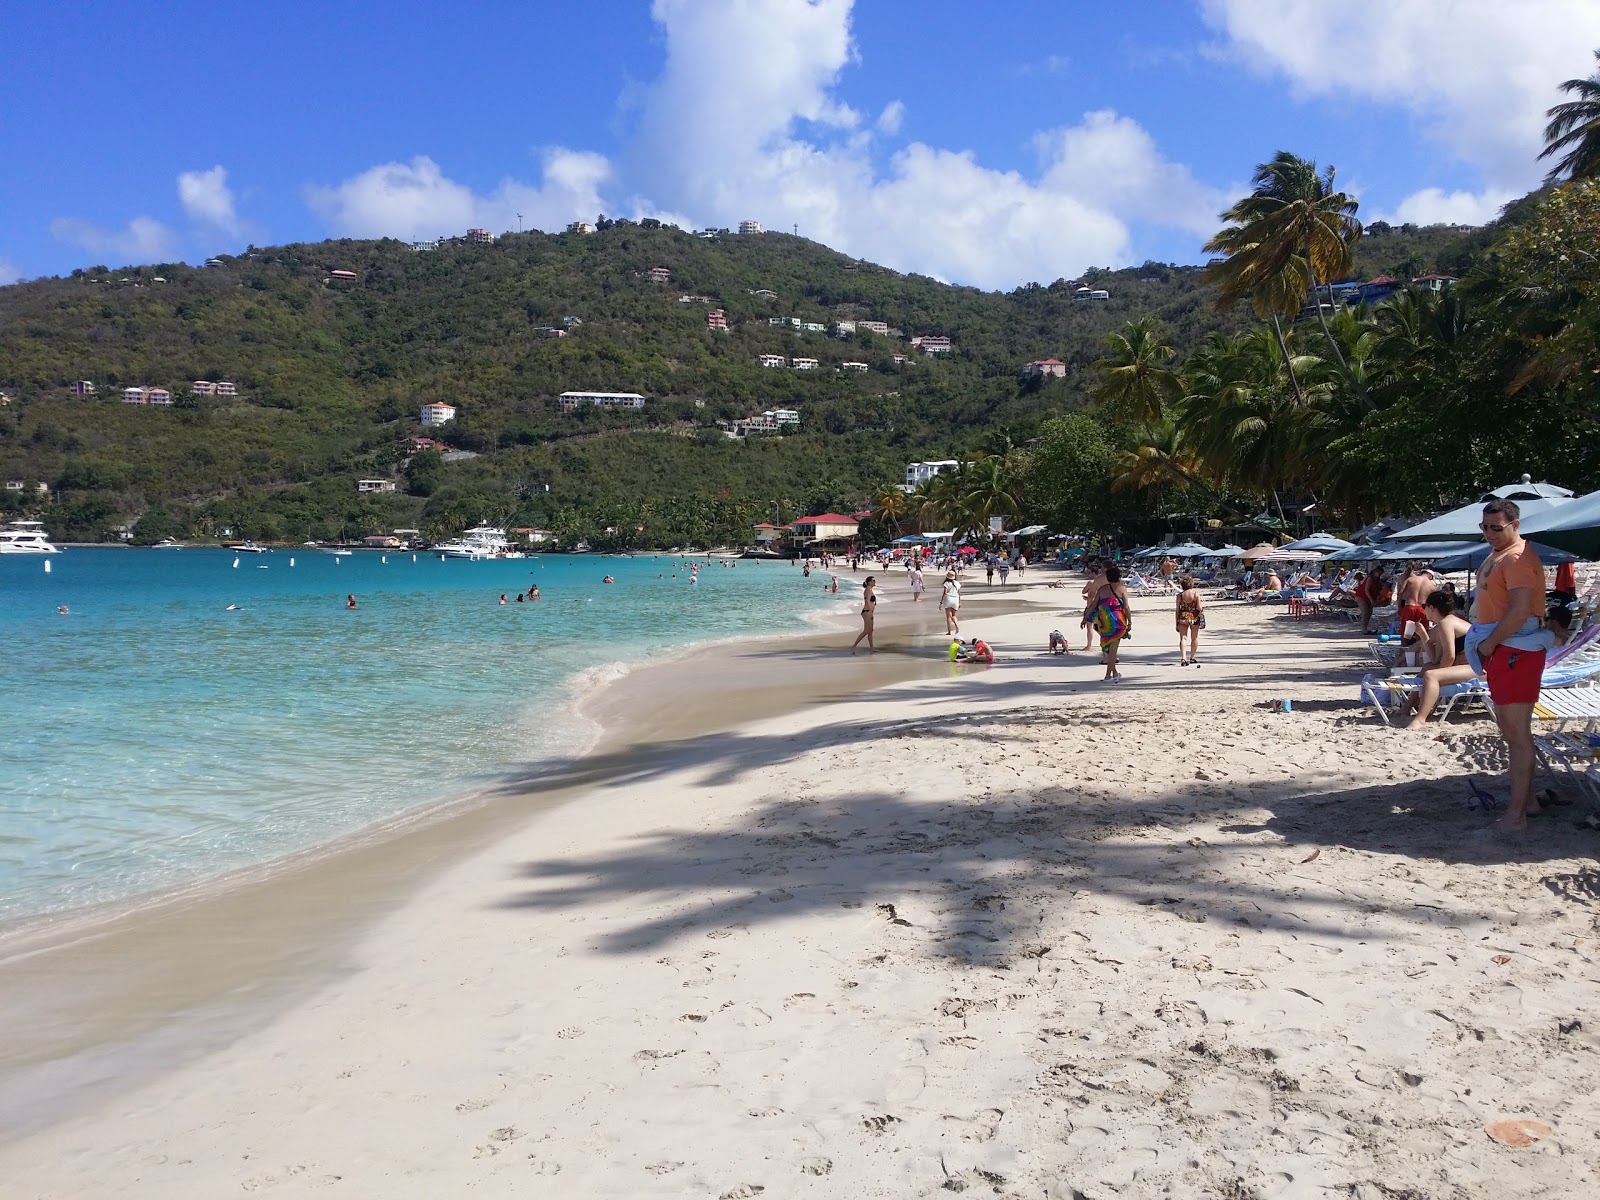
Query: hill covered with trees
[(331, 374)]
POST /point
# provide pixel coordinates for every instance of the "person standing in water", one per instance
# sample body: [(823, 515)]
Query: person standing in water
[(950, 602), (916, 580), (350, 600), (869, 604)]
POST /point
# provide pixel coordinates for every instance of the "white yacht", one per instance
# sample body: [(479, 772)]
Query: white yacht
[(248, 547), (481, 541), (25, 537), (167, 543)]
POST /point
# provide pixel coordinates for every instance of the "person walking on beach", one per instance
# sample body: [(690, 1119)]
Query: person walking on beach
[(916, 581), (1005, 570), (1374, 592), (988, 570), (1413, 590), (1112, 617), (950, 601), (1097, 577), (869, 603), (1510, 602), (1191, 620)]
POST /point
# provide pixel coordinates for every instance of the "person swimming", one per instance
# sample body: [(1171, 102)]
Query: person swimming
[(350, 600), (608, 579)]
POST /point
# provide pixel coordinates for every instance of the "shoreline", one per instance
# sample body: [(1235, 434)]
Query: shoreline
[(164, 978)]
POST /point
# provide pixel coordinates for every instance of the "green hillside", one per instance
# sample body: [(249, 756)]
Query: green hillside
[(331, 376)]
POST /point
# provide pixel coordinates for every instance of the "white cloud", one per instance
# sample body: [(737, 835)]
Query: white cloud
[(784, 150), (891, 118), (8, 273), (417, 200), (1435, 206), (206, 198), (1479, 73), (143, 240)]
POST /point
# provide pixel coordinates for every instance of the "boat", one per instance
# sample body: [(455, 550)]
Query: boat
[(340, 552), (726, 554), (248, 547), (167, 543), (481, 541), (25, 537)]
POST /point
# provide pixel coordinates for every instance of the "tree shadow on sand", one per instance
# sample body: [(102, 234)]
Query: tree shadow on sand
[(965, 862)]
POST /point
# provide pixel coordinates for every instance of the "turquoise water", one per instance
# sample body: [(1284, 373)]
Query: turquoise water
[(153, 739)]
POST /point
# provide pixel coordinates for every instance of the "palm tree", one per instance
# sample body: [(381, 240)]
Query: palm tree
[(1135, 380), (1574, 130), (1287, 237), (889, 506), (988, 489)]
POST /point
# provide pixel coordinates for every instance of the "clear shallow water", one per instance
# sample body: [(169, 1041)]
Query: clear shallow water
[(152, 738)]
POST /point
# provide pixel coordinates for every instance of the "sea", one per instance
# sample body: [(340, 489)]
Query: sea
[(195, 711)]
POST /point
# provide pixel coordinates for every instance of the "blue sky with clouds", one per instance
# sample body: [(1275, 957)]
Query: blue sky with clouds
[(982, 143)]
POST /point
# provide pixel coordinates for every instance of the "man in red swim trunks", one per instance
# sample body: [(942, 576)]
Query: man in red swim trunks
[(1510, 592), (1414, 589)]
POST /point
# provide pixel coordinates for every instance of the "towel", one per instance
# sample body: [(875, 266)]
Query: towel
[(1532, 636)]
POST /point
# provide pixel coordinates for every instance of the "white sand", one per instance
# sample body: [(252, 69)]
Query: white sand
[(1009, 930)]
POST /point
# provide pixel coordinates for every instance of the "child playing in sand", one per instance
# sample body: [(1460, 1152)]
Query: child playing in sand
[(1058, 642)]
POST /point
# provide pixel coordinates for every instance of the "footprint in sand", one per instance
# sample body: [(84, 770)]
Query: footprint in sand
[(663, 1168), (880, 1124), (506, 1133), (743, 1192), (817, 1166), (979, 1128), (765, 1112), (543, 1166), (570, 1032), (467, 1106)]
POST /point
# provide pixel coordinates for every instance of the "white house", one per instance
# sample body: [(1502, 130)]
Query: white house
[(931, 344), (438, 413), (374, 485), (1045, 366), (805, 364), (750, 227), (787, 418), (843, 328), (878, 327), (774, 360), (658, 275), (852, 366), (814, 327), (921, 472), (580, 227), (570, 401), (83, 387), (479, 237)]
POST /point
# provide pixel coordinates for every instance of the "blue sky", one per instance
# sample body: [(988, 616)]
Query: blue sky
[(982, 143)]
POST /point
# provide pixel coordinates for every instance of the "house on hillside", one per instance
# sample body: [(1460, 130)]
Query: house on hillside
[(580, 227), (147, 395), (918, 473), (934, 344), (1086, 292), (750, 227), (804, 364), (1433, 283), (765, 293), (814, 327), (853, 366), (1046, 367), (374, 485), (424, 247), (83, 387), (338, 275), (899, 359), (843, 328), (571, 401), (479, 237), (438, 413), (417, 445), (773, 360), (658, 275), (881, 328), (1377, 288), (717, 319)]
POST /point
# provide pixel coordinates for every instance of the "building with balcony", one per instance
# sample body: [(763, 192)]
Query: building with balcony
[(83, 387), (918, 473), (750, 227), (843, 328), (572, 401), (479, 237), (437, 414), (717, 319), (853, 366), (1047, 367), (159, 397), (825, 527), (879, 327), (773, 360), (804, 364), (374, 485), (932, 344), (658, 275), (580, 227)]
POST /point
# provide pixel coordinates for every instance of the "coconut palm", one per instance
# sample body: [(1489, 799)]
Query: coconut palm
[(989, 488), (1136, 381), (1291, 234), (1574, 130), (889, 506)]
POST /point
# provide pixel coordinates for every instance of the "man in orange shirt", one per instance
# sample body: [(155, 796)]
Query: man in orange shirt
[(1510, 596)]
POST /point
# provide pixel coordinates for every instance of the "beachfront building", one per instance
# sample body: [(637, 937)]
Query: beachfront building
[(534, 537), (479, 237), (805, 364), (920, 472), (774, 360), (825, 527), (438, 413), (717, 319), (1045, 367), (750, 227), (83, 387), (580, 227), (766, 532), (658, 275), (932, 344), (572, 401), (852, 366), (374, 485)]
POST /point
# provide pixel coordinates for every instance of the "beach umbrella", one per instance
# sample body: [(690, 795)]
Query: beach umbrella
[(1354, 554), (1189, 550), (1527, 489), (1472, 557), (1320, 542), (1462, 523), (1379, 530), (1264, 550), (1228, 551), (1573, 526)]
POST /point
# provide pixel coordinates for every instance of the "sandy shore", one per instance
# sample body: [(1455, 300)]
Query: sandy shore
[(1005, 929)]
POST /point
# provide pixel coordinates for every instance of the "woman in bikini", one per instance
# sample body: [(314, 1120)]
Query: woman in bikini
[(1191, 620), (1447, 648), (869, 602), (1111, 616)]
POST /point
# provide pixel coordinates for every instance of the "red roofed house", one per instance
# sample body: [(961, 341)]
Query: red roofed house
[(766, 533), (1045, 366), (417, 445), (823, 528)]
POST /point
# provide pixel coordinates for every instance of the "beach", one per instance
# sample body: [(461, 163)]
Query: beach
[(801, 924)]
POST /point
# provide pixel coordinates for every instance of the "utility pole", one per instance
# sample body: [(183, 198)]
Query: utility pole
[(519, 222)]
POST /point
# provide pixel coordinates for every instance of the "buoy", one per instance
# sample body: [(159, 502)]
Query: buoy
[(47, 566), (385, 558), (236, 562), (291, 562), (336, 562), (413, 558)]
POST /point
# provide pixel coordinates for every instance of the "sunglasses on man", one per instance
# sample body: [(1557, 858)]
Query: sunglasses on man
[(1495, 528)]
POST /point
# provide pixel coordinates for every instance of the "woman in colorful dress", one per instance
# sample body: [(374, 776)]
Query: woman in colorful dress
[(1111, 615)]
